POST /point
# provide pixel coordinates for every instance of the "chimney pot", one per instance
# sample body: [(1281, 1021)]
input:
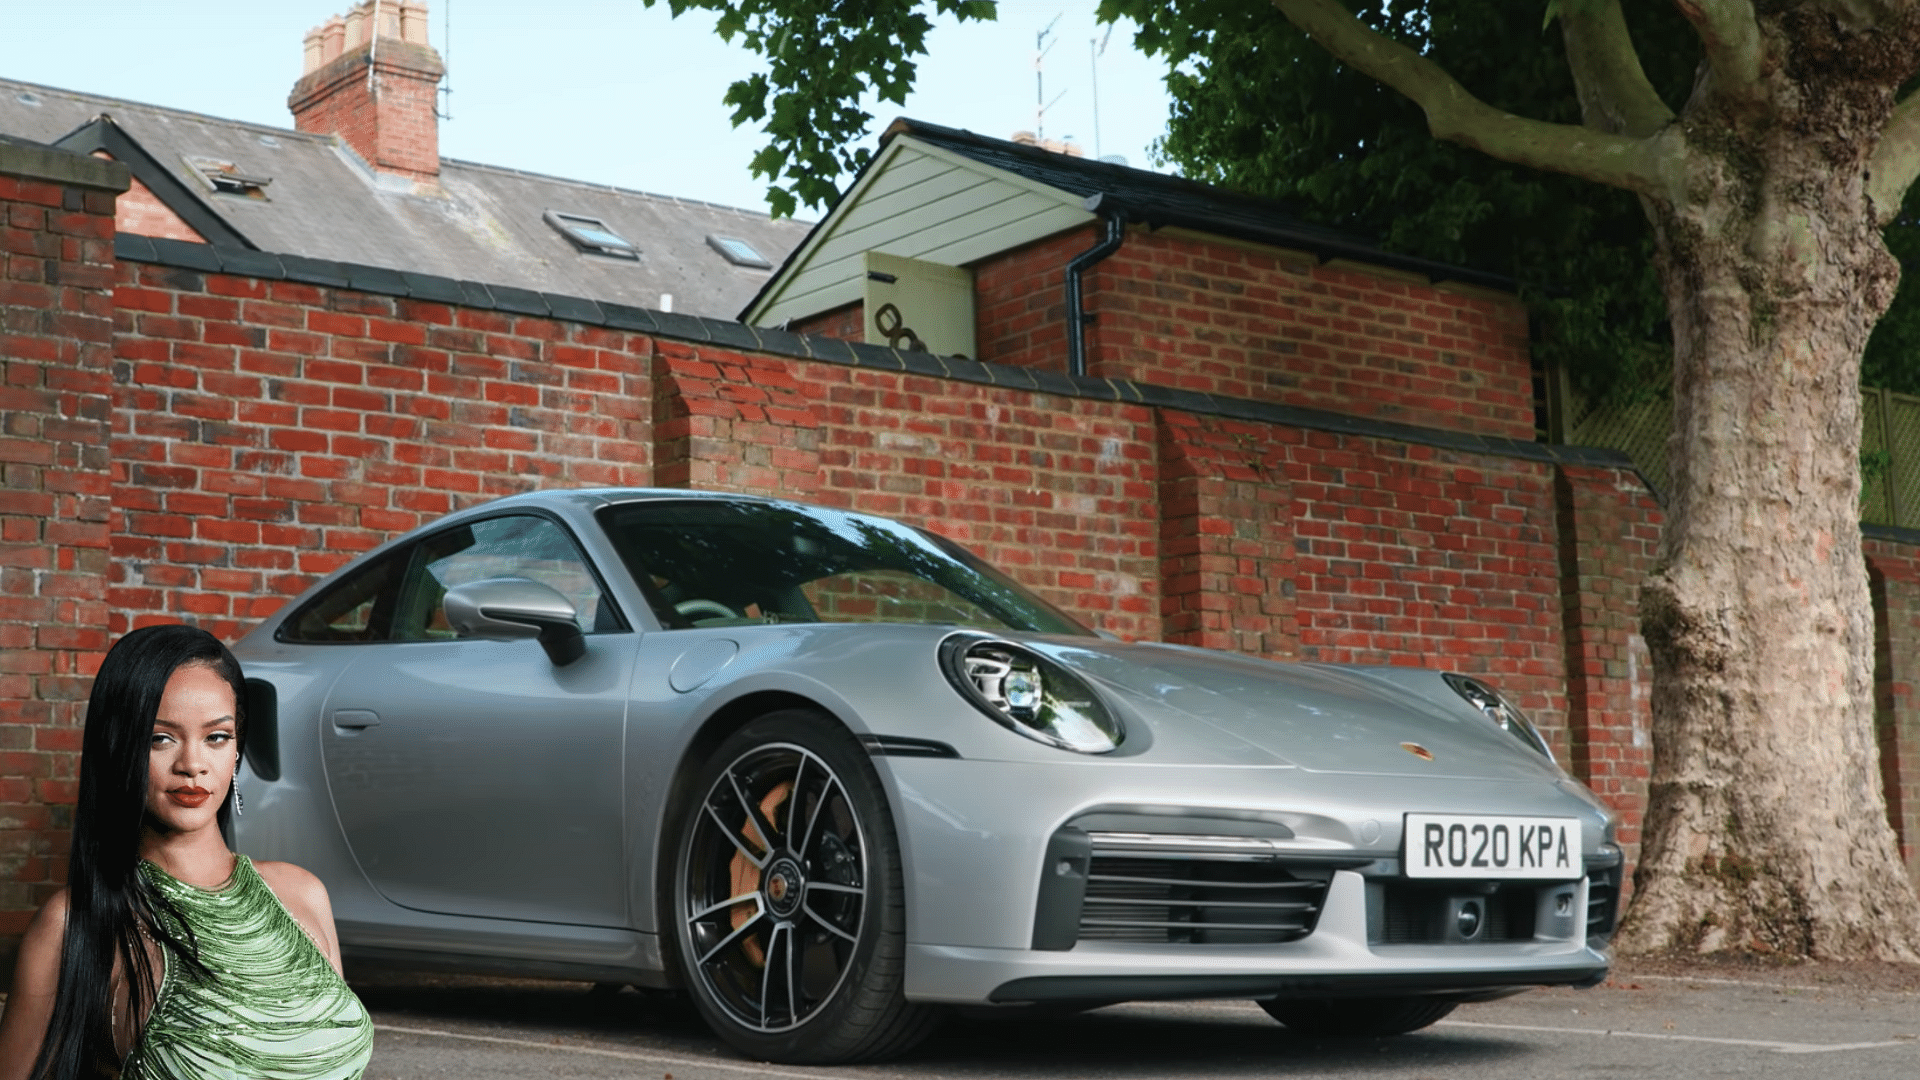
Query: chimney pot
[(413, 22), (387, 24), (333, 41), (310, 47), (356, 27)]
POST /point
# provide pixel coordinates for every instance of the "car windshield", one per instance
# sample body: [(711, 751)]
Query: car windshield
[(717, 563)]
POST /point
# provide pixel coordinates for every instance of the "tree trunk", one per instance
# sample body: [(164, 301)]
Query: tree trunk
[(1766, 826)]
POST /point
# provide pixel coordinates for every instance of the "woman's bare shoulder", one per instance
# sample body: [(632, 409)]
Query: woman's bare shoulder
[(305, 898), (36, 975), (48, 929), (294, 885)]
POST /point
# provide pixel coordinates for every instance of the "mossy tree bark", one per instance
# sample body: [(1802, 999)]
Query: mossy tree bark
[(1766, 829)]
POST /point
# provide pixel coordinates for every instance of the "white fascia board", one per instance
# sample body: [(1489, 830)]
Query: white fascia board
[(840, 293)]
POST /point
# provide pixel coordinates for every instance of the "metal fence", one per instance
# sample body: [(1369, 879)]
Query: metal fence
[(1639, 426)]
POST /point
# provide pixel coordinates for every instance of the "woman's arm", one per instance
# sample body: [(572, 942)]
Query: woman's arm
[(36, 975), (305, 898)]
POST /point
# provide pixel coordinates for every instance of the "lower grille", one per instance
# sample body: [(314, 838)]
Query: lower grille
[(1199, 901), (1423, 914), (1603, 902)]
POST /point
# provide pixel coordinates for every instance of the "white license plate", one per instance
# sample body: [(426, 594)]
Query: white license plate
[(1487, 846)]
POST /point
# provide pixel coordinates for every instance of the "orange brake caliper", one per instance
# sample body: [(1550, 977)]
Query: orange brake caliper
[(746, 879)]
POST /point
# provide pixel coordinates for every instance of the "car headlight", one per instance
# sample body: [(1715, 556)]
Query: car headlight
[(1029, 693), (1500, 711)]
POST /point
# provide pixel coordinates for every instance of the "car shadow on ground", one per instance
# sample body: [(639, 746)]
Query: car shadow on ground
[(1214, 1039)]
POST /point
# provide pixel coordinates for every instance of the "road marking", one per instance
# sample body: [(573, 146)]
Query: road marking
[(1776, 1047), (623, 1055), (1759, 985)]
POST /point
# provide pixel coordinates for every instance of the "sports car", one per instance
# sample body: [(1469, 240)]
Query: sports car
[(828, 774)]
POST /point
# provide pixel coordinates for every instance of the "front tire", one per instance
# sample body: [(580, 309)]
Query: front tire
[(1358, 1018), (788, 907)]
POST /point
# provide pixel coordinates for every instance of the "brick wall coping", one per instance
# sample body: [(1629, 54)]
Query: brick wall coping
[(1892, 533), (220, 259), (33, 161)]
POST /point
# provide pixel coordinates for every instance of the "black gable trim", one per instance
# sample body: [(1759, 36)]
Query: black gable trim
[(102, 133), (1156, 199), (694, 328), (181, 253), (249, 263)]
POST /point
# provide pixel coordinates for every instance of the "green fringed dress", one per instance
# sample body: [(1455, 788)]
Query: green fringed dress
[(274, 1009)]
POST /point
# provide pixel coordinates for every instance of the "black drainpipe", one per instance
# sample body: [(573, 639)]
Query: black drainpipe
[(1077, 317)]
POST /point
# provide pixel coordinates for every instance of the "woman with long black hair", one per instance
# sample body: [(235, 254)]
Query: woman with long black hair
[(167, 955)]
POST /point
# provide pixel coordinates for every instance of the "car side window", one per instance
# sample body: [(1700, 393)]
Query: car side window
[(356, 609), (519, 545)]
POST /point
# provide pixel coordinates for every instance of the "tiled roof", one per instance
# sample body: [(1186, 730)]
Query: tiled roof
[(482, 223)]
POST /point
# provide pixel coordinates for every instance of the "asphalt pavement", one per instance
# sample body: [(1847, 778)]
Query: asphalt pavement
[(1682, 1025)]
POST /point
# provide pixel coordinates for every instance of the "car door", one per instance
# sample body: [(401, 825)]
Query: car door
[(477, 777)]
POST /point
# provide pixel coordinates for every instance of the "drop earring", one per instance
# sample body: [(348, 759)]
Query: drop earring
[(239, 804)]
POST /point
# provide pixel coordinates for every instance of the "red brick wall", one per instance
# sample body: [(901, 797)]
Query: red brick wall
[(1020, 303), (1059, 491), (1894, 573), (1262, 324), (390, 120), (56, 324), (1610, 530), (847, 323), (1316, 546), (264, 432), (1227, 569), (141, 212)]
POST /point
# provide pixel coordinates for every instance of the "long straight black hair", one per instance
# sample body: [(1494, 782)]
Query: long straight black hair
[(109, 904)]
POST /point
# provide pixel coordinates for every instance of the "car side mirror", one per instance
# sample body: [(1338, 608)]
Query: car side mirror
[(511, 608)]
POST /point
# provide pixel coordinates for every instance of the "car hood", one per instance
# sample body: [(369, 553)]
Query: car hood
[(1320, 717)]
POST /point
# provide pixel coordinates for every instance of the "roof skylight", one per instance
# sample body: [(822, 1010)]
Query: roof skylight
[(738, 251), (590, 234), (226, 178)]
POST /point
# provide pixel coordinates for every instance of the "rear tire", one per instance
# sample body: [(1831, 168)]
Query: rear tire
[(788, 908), (1357, 1018)]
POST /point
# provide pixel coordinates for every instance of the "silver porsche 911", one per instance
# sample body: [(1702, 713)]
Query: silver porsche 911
[(828, 773)]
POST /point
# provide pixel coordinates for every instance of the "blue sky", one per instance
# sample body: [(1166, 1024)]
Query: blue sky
[(600, 90)]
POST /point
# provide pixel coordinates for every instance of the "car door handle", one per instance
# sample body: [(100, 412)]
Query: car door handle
[(355, 719)]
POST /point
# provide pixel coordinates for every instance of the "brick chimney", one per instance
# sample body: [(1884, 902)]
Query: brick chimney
[(371, 78)]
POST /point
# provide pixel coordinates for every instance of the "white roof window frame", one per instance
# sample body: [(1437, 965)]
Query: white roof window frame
[(591, 235), (226, 178), (738, 252)]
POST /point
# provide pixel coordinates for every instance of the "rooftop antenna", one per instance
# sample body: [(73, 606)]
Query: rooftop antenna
[(446, 60), (1040, 103), (1098, 51)]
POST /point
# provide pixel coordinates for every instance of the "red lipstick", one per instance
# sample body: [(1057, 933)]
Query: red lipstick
[(189, 797)]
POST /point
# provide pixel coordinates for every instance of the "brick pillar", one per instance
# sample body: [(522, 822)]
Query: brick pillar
[(1226, 539), (56, 352), (727, 422), (1894, 575), (1609, 528), (389, 114)]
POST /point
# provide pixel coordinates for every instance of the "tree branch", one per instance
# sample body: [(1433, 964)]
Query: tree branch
[(1731, 35), (1896, 161), (1646, 165), (1615, 94)]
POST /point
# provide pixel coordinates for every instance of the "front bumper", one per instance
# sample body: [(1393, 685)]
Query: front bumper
[(1336, 959), (978, 838)]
